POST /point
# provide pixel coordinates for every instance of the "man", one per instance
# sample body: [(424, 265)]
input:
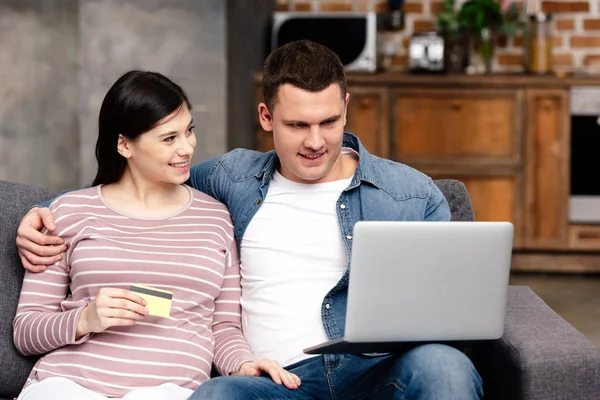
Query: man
[(294, 209)]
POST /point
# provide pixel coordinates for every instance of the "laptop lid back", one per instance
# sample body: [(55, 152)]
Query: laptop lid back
[(428, 281)]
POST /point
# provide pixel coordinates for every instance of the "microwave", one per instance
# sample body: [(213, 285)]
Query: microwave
[(351, 35)]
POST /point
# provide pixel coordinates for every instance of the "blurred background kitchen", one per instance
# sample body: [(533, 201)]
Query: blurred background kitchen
[(502, 95)]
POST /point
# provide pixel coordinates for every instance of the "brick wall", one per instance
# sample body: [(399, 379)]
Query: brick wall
[(576, 29)]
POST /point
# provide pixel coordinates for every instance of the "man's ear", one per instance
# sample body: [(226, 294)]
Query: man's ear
[(265, 117), (124, 146), (346, 107)]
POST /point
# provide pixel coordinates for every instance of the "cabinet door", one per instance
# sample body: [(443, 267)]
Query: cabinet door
[(494, 198), (547, 169), (368, 118), (468, 127)]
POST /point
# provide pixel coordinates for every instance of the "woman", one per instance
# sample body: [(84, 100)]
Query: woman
[(139, 225)]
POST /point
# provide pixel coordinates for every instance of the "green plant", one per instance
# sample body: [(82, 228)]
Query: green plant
[(482, 20), (447, 21)]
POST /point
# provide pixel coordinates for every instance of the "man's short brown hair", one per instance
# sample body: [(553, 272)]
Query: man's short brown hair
[(304, 64)]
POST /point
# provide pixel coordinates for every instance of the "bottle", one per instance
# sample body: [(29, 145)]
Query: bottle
[(538, 45)]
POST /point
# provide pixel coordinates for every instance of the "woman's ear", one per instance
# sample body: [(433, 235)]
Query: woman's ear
[(124, 146)]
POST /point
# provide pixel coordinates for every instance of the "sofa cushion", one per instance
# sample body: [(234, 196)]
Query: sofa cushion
[(15, 201)]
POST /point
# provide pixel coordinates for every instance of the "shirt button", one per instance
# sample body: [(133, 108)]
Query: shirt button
[(342, 206), (327, 306), (349, 237)]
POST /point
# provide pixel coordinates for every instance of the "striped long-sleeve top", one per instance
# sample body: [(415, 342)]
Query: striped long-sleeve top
[(192, 254)]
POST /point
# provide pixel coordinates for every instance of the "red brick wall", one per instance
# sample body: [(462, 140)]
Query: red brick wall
[(575, 25)]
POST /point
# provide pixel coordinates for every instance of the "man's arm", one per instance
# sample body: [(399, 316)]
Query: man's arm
[(36, 249), (200, 175), (437, 205)]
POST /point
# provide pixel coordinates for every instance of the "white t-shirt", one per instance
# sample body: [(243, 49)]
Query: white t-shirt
[(292, 255)]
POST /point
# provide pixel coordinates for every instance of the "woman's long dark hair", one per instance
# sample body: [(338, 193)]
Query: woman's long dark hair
[(133, 105)]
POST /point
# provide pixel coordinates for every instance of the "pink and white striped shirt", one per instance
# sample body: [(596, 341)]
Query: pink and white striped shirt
[(192, 254)]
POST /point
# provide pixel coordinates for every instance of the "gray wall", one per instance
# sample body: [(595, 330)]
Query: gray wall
[(58, 58), (39, 92)]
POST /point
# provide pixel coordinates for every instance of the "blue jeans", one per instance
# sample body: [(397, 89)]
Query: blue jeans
[(426, 372)]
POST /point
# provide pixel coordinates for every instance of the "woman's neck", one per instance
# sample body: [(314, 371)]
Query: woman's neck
[(141, 198), (144, 192)]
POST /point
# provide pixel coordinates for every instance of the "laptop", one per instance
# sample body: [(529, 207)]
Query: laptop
[(413, 283)]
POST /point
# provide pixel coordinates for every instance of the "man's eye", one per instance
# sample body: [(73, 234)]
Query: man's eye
[(299, 125), (328, 122)]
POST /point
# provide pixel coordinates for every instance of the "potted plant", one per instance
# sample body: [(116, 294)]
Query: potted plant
[(481, 21)]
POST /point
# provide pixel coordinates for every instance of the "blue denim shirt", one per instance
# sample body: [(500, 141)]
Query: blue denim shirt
[(381, 190)]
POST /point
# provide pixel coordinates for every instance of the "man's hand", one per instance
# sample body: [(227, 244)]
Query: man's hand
[(111, 307), (272, 368), (36, 249)]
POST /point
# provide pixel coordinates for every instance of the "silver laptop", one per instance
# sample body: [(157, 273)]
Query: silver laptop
[(423, 282)]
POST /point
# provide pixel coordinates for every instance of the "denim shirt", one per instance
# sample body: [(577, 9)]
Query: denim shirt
[(381, 190)]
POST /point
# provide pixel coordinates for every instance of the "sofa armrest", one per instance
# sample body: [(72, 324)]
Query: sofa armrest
[(541, 356)]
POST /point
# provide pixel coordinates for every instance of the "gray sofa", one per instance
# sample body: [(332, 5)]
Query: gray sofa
[(540, 357)]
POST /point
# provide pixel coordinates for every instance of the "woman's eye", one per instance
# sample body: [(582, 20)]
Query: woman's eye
[(191, 129), (169, 139)]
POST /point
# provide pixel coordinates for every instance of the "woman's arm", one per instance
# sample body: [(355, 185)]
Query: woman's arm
[(231, 348), (45, 319), (233, 355)]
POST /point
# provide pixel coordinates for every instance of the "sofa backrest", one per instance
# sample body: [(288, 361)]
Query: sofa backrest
[(15, 201), (458, 198)]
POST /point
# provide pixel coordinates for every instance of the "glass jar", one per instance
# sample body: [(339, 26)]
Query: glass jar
[(538, 44)]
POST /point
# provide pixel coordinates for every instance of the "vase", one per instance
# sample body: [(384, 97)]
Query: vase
[(481, 55)]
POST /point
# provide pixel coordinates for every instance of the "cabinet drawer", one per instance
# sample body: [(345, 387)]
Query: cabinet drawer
[(584, 237), (463, 126)]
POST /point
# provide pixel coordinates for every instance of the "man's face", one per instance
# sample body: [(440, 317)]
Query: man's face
[(308, 131)]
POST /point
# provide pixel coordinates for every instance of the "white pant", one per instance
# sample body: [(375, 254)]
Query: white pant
[(63, 389)]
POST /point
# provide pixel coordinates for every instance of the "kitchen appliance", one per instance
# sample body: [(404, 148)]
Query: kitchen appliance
[(584, 203), (426, 52), (351, 35)]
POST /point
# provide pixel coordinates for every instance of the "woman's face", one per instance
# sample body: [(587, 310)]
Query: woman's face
[(164, 153)]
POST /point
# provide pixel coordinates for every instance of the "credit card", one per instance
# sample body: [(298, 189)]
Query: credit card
[(158, 300)]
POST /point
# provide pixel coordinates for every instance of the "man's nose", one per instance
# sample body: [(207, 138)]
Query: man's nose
[(314, 140)]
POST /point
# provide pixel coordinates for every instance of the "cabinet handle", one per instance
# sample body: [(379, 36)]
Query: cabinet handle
[(547, 105), (366, 102), (589, 235)]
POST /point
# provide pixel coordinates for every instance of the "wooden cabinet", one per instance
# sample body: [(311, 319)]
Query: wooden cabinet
[(547, 169), (505, 137)]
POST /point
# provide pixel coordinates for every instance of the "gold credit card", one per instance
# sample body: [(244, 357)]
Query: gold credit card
[(158, 300)]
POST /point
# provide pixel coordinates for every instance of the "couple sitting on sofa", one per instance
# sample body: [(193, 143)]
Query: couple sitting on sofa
[(141, 225)]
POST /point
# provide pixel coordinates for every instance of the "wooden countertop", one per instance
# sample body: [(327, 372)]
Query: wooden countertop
[(404, 80)]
